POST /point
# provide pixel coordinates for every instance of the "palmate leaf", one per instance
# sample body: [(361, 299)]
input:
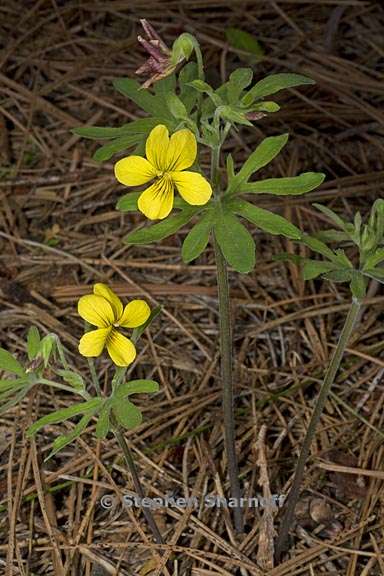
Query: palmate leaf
[(187, 74), (103, 421), (176, 106), (238, 81), (291, 186), (63, 440), (234, 114), (103, 132), (152, 104), (318, 246), (127, 414), (136, 387), (314, 268), (340, 275), (163, 229), (272, 84), (198, 237), (263, 155), (89, 407), (264, 219), (118, 145), (73, 378), (125, 137), (331, 235), (235, 242)]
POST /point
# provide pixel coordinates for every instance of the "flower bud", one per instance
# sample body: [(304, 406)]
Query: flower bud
[(182, 48)]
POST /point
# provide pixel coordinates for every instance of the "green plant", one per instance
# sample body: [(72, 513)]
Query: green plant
[(112, 410), (336, 266), (200, 118)]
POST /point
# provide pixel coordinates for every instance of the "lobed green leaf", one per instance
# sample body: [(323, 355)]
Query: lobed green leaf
[(238, 81), (314, 268), (61, 441), (103, 420), (118, 145), (235, 242), (198, 237), (274, 83), (318, 246), (73, 378), (264, 153), (187, 74), (136, 387), (89, 407), (291, 186), (127, 414), (264, 219), (153, 105)]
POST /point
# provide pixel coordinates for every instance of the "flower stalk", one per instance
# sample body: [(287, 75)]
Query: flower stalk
[(329, 379)]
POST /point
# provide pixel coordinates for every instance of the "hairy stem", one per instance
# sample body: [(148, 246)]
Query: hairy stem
[(227, 379), (226, 357), (329, 378), (136, 482)]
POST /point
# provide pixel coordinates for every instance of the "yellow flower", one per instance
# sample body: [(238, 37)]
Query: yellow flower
[(105, 310), (165, 164)]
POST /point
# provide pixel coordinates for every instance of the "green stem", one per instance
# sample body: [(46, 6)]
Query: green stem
[(226, 359), (226, 375), (329, 378), (137, 484)]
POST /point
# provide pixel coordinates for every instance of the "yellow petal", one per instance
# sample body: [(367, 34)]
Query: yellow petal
[(135, 314), (96, 310), (182, 150), (156, 147), (134, 171), (120, 349), (92, 343), (193, 187), (105, 291), (156, 202)]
